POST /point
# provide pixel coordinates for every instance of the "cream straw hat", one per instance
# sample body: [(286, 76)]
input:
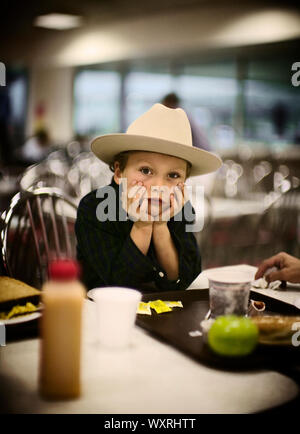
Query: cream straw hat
[(162, 130)]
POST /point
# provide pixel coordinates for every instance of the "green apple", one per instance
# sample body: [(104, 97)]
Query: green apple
[(232, 335)]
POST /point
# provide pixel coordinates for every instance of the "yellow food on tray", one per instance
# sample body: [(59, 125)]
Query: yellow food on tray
[(19, 310), (158, 305), (144, 308), (16, 297)]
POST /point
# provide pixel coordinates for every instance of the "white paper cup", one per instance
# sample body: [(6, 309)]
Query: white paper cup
[(116, 313)]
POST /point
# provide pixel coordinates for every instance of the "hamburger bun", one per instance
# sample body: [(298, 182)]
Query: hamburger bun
[(14, 292), (275, 329)]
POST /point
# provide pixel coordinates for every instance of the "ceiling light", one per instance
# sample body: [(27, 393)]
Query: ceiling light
[(58, 21)]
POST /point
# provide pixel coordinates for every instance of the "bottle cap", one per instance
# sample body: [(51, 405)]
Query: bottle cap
[(64, 269)]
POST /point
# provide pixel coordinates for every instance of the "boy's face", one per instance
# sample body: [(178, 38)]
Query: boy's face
[(152, 169)]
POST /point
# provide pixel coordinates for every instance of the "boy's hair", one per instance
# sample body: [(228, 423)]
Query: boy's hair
[(122, 159)]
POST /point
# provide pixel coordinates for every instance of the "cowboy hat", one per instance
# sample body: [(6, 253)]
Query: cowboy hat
[(160, 129)]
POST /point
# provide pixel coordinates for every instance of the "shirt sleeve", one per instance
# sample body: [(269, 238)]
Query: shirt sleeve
[(113, 257)]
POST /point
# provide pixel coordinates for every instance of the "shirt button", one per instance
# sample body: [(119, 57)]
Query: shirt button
[(161, 274)]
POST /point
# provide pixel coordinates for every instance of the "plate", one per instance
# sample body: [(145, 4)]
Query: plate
[(21, 319), (270, 343)]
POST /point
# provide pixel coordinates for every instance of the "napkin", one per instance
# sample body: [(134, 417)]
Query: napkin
[(262, 283)]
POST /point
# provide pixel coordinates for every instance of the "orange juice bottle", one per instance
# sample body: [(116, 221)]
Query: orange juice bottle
[(60, 329)]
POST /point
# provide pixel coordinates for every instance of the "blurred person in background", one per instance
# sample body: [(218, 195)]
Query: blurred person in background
[(288, 268), (297, 135), (37, 147), (280, 118), (171, 100)]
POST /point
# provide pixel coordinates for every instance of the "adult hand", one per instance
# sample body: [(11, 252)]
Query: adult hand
[(288, 268)]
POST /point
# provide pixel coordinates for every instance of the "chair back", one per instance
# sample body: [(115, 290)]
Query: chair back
[(38, 227), (279, 226), (48, 173)]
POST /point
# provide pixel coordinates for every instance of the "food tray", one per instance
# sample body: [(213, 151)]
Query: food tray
[(173, 328)]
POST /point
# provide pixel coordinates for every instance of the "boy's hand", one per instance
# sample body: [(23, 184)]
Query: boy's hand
[(136, 204), (177, 201)]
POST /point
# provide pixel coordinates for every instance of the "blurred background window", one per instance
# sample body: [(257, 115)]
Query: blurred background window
[(109, 101), (208, 92), (13, 113), (142, 90), (18, 97), (231, 100), (96, 102), (272, 104)]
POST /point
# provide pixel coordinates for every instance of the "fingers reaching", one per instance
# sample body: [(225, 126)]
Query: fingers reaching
[(274, 261), (288, 268)]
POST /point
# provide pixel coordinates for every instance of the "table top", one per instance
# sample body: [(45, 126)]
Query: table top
[(291, 294), (148, 377)]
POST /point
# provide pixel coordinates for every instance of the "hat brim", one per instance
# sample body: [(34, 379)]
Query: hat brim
[(107, 146)]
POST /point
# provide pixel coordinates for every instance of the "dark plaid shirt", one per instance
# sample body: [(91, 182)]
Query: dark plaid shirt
[(109, 257)]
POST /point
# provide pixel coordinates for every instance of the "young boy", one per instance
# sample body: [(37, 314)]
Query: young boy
[(149, 249)]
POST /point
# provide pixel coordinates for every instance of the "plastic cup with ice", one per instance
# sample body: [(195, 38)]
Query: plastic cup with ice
[(229, 291)]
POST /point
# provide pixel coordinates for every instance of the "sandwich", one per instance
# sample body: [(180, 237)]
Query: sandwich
[(17, 298), (276, 329)]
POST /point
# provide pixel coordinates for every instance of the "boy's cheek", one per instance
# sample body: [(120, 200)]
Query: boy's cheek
[(135, 178)]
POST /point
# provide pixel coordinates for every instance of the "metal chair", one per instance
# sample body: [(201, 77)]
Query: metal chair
[(49, 173), (88, 173), (75, 178), (279, 226), (38, 227)]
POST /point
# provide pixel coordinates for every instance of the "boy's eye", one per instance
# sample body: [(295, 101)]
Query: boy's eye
[(174, 175), (145, 170)]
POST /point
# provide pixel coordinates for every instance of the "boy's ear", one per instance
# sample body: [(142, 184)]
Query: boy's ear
[(117, 173)]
